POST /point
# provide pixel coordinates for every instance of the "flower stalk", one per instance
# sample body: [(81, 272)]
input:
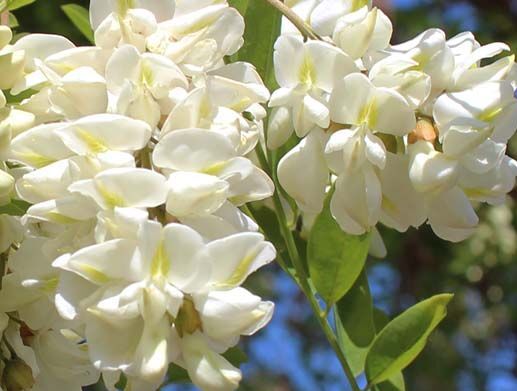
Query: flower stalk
[(300, 24)]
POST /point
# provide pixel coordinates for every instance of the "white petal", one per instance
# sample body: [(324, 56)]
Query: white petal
[(375, 150), (452, 217), (39, 146), (185, 249), (391, 114), (124, 187), (402, 206), (330, 64), (207, 369), (247, 311), (101, 263), (485, 157), (40, 46), (288, 57), (102, 132), (430, 170), (279, 128), (356, 203), (195, 193), (192, 150), (237, 256), (307, 186)]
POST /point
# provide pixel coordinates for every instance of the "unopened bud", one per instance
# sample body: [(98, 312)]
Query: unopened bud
[(5, 36), (17, 376), (11, 68), (6, 184), (424, 131), (19, 121), (5, 129)]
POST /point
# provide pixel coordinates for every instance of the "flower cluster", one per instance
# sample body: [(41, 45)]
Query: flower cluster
[(402, 134), (132, 156)]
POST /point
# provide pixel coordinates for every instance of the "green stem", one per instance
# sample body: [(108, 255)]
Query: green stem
[(298, 22), (302, 280)]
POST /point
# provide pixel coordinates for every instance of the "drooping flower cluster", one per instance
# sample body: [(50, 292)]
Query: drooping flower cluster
[(132, 155), (402, 134)]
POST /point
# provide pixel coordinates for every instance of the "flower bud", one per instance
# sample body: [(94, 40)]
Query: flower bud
[(19, 121), (17, 376), (6, 185), (5, 129), (11, 68), (5, 36), (424, 130)]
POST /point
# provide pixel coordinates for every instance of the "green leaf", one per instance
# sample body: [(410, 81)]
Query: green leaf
[(240, 5), (266, 219), (13, 22), (176, 374), (395, 383), (15, 4), (355, 323), (15, 208), (122, 382), (79, 16), (262, 29), (400, 342), (236, 356), (356, 313), (335, 258)]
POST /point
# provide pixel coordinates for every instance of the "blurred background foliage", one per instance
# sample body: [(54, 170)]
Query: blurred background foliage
[(476, 347)]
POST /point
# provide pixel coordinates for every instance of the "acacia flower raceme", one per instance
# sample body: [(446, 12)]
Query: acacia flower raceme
[(124, 166)]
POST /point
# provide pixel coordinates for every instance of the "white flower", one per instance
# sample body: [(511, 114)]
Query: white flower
[(63, 361), (356, 202), (433, 55), (11, 231), (37, 47), (124, 187), (137, 280), (370, 109), (207, 369), (138, 82), (451, 215), (402, 206), (6, 187), (399, 73), (206, 171), (118, 22), (29, 286), (430, 170), (199, 35), (307, 73), (468, 54), (12, 61), (326, 13), (218, 106), (492, 102), (363, 31), (308, 185), (491, 186), (101, 9)]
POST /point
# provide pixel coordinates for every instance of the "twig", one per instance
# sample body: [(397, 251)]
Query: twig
[(298, 22)]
